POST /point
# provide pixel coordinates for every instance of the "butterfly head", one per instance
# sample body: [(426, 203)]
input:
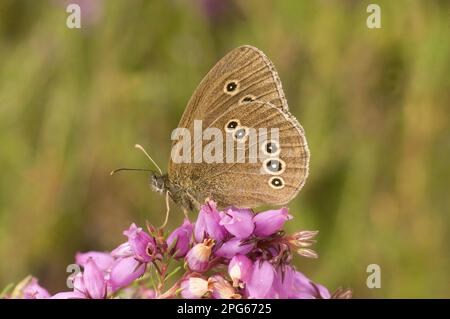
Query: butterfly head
[(158, 182)]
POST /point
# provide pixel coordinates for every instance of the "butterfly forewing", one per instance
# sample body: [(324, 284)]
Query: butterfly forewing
[(253, 74)]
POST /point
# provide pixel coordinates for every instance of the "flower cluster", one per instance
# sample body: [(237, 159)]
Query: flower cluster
[(233, 253)]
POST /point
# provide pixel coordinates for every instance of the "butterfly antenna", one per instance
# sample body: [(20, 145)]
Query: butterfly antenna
[(138, 146), (130, 169)]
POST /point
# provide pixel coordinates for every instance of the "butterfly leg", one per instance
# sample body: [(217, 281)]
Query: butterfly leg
[(167, 210)]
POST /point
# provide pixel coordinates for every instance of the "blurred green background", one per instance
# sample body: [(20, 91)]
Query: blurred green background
[(374, 104)]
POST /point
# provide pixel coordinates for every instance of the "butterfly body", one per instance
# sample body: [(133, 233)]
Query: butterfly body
[(181, 195), (241, 94)]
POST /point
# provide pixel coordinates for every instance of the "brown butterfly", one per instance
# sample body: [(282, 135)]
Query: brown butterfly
[(240, 92)]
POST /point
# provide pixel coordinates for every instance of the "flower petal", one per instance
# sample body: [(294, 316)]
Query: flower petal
[(194, 287), (200, 227), (261, 280), (269, 222), (232, 247), (304, 288), (34, 291), (69, 295), (283, 283), (182, 236), (101, 259), (94, 280), (123, 250), (142, 244), (124, 271), (240, 269), (222, 289), (211, 219), (198, 257), (238, 222)]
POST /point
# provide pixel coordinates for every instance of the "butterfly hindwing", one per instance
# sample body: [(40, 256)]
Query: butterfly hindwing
[(246, 180)]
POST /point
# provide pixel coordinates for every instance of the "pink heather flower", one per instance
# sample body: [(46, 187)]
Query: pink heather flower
[(238, 222), (269, 222), (194, 288), (91, 284), (33, 290), (200, 231), (232, 247), (102, 260), (283, 283), (198, 257), (240, 269), (261, 280), (94, 280), (208, 223), (78, 283), (124, 271), (303, 288), (182, 237), (123, 250), (227, 241), (142, 245), (222, 289), (79, 291)]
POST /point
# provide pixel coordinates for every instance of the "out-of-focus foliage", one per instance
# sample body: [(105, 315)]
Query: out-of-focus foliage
[(374, 104)]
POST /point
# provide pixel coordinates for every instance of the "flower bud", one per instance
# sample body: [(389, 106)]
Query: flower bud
[(261, 279), (180, 238), (269, 222), (238, 222), (198, 257), (208, 223), (194, 288), (29, 288), (240, 268), (102, 260), (94, 280), (143, 246), (124, 271)]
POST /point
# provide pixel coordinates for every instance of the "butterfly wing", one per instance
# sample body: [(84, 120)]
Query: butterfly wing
[(253, 74), (247, 183), (248, 180), (244, 86)]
